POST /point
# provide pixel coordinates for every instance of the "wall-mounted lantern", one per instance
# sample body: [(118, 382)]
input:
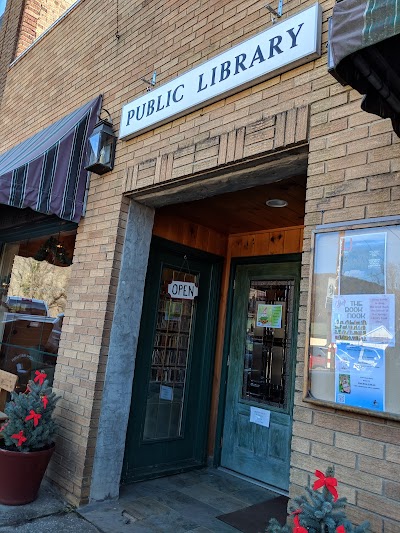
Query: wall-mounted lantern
[(101, 148)]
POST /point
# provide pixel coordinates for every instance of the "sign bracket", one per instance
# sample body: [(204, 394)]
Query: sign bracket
[(276, 14)]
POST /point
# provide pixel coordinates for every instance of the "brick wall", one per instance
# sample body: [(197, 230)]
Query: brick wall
[(24, 21), (352, 174), (9, 35), (353, 166), (37, 16)]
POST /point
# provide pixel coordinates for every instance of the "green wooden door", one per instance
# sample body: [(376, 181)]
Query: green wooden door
[(258, 415), (167, 431)]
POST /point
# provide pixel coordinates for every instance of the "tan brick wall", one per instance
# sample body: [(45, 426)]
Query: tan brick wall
[(23, 22), (9, 34), (353, 165), (353, 174), (37, 16), (50, 11)]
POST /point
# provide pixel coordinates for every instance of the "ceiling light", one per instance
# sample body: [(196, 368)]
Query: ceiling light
[(276, 202)]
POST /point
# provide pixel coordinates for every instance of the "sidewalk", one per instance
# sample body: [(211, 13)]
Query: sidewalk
[(184, 503), (48, 514)]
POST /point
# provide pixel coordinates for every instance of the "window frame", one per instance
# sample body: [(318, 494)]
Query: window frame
[(367, 224)]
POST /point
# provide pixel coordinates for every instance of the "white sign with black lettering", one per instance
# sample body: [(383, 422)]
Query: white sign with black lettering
[(183, 290), (281, 47)]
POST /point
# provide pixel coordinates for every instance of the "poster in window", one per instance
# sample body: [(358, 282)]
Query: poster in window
[(364, 318), (360, 376), (173, 310), (363, 326), (363, 264), (269, 316)]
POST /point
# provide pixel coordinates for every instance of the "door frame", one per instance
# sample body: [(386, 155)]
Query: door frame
[(216, 262), (265, 259)]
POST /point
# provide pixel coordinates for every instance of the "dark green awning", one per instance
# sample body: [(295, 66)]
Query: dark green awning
[(364, 44)]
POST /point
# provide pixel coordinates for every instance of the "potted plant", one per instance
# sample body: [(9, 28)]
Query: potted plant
[(27, 441), (319, 512)]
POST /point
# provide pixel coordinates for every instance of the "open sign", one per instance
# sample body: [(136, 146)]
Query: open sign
[(183, 290)]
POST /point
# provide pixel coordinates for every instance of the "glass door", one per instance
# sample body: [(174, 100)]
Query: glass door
[(170, 360), (170, 401), (258, 413)]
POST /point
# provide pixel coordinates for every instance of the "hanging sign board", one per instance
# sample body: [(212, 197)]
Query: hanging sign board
[(183, 290), (279, 48)]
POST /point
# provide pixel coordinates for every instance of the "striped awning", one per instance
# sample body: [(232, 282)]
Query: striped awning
[(46, 172), (364, 40)]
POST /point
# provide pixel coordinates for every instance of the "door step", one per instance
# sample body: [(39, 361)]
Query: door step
[(254, 481)]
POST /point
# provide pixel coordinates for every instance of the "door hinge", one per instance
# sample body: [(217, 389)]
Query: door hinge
[(228, 361), (221, 442), (234, 284)]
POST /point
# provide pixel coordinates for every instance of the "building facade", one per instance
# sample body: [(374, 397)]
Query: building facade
[(246, 373)]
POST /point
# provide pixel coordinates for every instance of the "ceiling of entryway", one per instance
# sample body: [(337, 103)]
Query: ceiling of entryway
[(245, 210)]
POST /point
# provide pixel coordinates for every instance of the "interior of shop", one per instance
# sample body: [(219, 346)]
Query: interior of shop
[(34, 276)]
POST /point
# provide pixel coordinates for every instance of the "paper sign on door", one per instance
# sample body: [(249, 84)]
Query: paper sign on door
[(269, 316), (166, 393), (260, 416)]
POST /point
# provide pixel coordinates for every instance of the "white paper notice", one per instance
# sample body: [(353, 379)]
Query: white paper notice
[(166, 393), (260, 416)]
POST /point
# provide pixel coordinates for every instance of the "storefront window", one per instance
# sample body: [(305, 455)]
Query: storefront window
[(34, 275), (353, 348)]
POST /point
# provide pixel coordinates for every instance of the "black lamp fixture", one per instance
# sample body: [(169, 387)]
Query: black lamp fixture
[(101, 147)]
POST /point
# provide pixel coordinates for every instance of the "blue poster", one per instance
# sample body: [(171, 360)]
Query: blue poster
[(360, 376), (363, 264)]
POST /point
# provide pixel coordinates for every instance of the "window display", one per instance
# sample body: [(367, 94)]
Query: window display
[(34, 275), (353, 349)]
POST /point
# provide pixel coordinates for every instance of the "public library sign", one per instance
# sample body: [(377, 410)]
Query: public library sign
[(281, 47)]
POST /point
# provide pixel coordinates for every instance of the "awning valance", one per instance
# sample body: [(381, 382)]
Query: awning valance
[(46, 172), (364, 42)]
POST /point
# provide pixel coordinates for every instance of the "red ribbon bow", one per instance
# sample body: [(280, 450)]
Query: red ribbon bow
[(40, 377), (329, 482), (33, 416), (340, 529), (45, 400), (20, 437), (297, 527)]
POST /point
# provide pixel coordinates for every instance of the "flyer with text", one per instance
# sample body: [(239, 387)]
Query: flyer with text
[(363, 326), (269, 315)]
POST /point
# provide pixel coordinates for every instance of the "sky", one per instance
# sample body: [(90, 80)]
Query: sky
[(2, 6)]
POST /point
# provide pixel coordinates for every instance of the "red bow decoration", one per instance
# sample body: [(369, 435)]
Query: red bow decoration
[(33, 416), (340, 529), (297, 527), (45, 400), (40, 377), (20, 437), (329, 482)]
